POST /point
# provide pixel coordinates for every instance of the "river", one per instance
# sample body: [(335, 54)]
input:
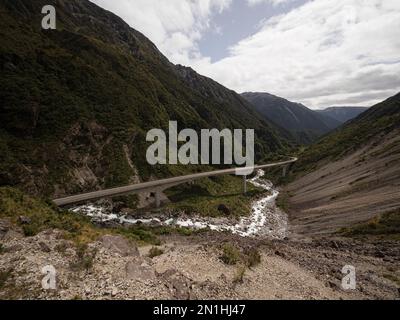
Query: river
[(265, 220)]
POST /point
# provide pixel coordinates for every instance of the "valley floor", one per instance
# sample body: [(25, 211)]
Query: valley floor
[(220, 265), (191, 268)]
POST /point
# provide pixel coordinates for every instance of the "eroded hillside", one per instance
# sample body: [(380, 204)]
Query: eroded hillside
[(350, 176)]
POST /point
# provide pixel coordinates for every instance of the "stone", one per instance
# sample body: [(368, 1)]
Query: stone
[(14, 249), (333, 244), (4, 227), (280, 254), (135, 269), (44, 247), (119, 245), (11, 234), (24, 220), (179, 285), (10, 66), (332, 285), (224, 209), (379, 254), (114, 292)]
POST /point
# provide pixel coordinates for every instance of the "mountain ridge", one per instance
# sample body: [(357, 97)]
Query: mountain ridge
[(305, 124), (350, 176), (343, 114), (77, 101)]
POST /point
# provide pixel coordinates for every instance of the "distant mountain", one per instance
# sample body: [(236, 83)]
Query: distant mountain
[(306, 125), (351, 175), (76, 102), (343, 114)]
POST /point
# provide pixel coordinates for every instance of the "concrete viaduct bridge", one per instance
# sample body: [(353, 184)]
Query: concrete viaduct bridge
[(158, 186)]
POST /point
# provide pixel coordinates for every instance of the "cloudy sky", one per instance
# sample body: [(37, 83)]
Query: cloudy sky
[(320, 53)]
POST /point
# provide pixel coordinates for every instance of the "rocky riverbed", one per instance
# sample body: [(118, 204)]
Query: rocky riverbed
[(265, 219)]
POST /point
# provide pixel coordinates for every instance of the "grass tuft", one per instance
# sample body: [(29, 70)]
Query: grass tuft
[(385, 226), (155, 252), (239, 276), (230, 254)]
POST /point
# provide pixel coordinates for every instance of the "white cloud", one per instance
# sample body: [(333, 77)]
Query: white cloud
[(322, 53), (175, 26), (325, 52), (273, 2)]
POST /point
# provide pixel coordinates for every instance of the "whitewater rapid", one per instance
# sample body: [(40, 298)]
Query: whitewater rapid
[(265, 220)]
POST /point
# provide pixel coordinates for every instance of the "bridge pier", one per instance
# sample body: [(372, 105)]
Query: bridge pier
[(158, 198), (284, 171), (157, 187)]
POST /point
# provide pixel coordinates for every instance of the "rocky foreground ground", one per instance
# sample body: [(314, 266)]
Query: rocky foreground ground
[(192, 268)]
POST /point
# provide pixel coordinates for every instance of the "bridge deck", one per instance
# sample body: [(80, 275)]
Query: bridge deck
[(157, 185)]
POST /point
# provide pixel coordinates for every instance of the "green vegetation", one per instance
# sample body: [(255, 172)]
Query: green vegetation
[(283, 201), (143, 234), (232, 255), (252, 257), (61, 248), (305, 125), (240, 272), (392, 277), (384, 226), (155, 252), (206, 196), (243, 258), (84, 258), (377, 121), (14, 203), (42, 216), (4, 276), (92, 93)]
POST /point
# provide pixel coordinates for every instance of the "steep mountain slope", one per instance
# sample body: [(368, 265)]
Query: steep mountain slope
[(343, 114), (350, 176), (305, 124), (76, 102)]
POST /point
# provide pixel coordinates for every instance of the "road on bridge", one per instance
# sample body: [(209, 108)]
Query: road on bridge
[(158, 186)]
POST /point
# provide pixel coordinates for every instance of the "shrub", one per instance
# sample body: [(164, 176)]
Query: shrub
[(252, 258), (84, 258), (30, 230), (230, 254), (385, 225), (61, 248), (240, 272), (155, 252), (187, 232), (42, 216), (4, 276)]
